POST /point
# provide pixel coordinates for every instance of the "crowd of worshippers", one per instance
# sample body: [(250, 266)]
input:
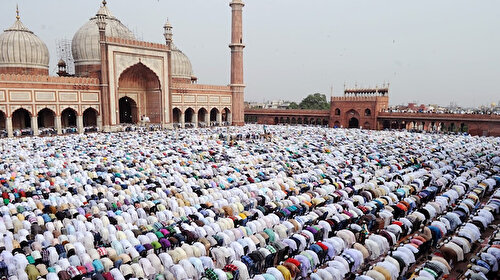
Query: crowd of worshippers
[(253, 202)]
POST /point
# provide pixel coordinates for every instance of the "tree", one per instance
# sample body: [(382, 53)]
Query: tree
[(316, 101), (293, 105)]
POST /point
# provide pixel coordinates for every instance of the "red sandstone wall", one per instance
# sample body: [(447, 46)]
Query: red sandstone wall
[(24, 71), (292, 112), (91, 71), (48, 82), (200, 89)]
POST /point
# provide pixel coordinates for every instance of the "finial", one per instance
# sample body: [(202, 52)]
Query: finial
[(17, 12), (167, 23), (104, 3)]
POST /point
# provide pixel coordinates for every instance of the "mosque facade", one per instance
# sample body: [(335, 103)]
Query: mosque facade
[(118, 80)]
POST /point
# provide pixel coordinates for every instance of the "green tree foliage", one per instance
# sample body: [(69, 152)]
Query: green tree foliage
[(293, 105), (316, 101)]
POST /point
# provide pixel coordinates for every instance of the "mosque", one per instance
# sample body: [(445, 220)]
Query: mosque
[(118, 80)]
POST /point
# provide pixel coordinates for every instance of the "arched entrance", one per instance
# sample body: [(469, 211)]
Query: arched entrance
[(21, 119), (226, 116), (464, 127), (128, 110), (68, 118), (202, 116), (46, 118), (352, 118), (188, 116), (140, 81), (176, 115), (386, 124), (213, 116), (2, 120), (353, 123), (90, 117)]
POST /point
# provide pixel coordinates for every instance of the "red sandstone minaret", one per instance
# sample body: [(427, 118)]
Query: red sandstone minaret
[(237, 46)]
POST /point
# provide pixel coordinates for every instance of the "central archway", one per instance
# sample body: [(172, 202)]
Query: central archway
[(138, 80), (353, 123), (353, 118), (128, 110)]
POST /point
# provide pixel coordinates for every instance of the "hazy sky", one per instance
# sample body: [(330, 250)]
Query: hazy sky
[(429, 51)]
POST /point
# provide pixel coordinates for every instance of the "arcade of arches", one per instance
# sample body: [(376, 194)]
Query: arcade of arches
[(294, 120), (201, 117), (71, 121), (23, 122), (429, 126)]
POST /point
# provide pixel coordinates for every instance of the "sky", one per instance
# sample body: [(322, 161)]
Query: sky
[(432, 52)]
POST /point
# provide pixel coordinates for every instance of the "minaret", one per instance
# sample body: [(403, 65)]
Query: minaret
[(168, 34), (237, 46), (105, 98)]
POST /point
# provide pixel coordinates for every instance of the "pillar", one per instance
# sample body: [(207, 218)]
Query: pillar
[(237, 85), (99, 122), (183, 121), (194, 119), (79, 123), (206, 119), (219, 118), (8, 126), (58, 124), (34, 125), (229, 117)]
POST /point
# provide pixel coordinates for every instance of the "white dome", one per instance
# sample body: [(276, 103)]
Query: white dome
[(85, 44), (181, 65), (19, 47)]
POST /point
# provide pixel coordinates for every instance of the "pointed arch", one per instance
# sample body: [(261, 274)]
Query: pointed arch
[(68, 117), (189, 116), (90, 117), (21, 119), (127, 108), (3, 119), (176, 115), (214, 112), (46, 118), (142, 81), (202, 116)]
